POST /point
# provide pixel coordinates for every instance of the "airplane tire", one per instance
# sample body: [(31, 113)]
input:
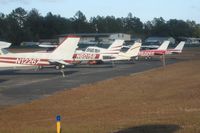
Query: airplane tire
[(62, 66), (58, 67)]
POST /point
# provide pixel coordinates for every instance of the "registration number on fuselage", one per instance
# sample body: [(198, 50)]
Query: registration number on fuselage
[(85, 56), (147, 53), (27, 61)]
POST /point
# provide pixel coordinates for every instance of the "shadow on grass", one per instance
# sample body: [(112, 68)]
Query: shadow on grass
[(151, 129)]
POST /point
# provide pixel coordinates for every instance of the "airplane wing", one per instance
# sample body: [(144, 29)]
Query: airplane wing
[(150, 46), (47, 46), (61, 62)]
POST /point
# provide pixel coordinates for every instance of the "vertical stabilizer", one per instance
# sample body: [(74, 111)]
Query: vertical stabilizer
[(66, 49), (116, 45), (134, 49), (180, 46), (164, 45)]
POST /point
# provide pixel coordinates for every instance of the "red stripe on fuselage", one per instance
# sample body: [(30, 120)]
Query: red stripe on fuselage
[(9, 58)]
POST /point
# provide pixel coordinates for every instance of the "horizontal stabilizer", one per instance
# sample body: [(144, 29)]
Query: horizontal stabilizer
[(66, 49), (4, 44), (134, 49), (116, 45)]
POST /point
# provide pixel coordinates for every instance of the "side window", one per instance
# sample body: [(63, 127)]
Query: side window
[(97, 51), (92, 50), (88, 50)]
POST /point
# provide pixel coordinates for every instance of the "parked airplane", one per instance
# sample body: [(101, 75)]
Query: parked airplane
[(60, 57), (177, 50), (94, 54), (160, 51)]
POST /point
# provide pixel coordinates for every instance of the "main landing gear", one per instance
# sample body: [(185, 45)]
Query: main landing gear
[(61, 68)]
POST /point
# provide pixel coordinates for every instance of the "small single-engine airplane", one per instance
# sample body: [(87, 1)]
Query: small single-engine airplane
[(59, 58), (177, 50), (95, 54), (160, 51)]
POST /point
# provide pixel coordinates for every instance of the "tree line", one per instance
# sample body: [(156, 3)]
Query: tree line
[(21, 25)]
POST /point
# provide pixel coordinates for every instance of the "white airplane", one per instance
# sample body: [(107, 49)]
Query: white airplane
[(60, 57), (160, 51), (93, 53), (177, 50)]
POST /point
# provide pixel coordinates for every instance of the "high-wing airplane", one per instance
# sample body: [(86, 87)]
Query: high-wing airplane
[(177, 50), (60, 57), (160, 51)]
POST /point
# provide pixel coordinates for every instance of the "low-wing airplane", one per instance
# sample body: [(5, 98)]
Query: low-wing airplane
[(60, 57), (151, 46), (160, 51), (177, 50), (93, 53)]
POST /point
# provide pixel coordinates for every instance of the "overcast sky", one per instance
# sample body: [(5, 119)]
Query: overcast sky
[(143, 9)]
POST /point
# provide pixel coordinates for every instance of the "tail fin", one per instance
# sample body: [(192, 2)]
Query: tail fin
[(2, 46), (134, 49), (164, 45), (180, 46), (116, 45), (66, 49)]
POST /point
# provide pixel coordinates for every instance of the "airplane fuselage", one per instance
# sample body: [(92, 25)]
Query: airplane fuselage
[(26, 59), (148, 53)]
